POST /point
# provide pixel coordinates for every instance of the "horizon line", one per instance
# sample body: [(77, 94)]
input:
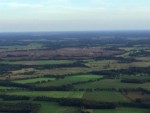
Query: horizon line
[(56, 31)]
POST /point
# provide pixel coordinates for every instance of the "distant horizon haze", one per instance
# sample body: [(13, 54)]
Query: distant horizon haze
[(74, 15)]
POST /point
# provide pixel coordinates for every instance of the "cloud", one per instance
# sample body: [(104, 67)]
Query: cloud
[(19, 5)]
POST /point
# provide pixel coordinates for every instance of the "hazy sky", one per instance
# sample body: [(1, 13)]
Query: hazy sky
[(60, 15)]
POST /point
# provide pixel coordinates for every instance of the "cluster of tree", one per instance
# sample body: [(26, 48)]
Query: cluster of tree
[(87, 104), (140, 53), (84, 82), (40, 82), (126, 90), (64, 75), (75, 39), (13, 97), (11, 67), (92, 104), (36, 88), (138, 81), (78, 39), (129, 71), (135, 104), (119, 59), (81, 102), (12, 84), (96, 89), (142, 100), (125, 60), (53, 88), (75, 64), (78, 103), (19, 107)]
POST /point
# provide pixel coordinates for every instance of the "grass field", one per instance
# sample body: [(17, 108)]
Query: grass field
[(105, 96), (112, 83), (33, 80), (68, 110), (54, 94), (70, 80), (4, 87), (48, 107), (123, 110)]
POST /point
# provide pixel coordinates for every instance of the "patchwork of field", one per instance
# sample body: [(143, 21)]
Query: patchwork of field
[(114, 64), (112, 83), (70, 80), (71, 70), (101, 96)]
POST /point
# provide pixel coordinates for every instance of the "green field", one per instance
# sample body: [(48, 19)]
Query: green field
[(70, 80), (112, 83), (46, 107), (49, 107), (123, 110), (33, 80), (105, 96), (4, 87), (54, 94)]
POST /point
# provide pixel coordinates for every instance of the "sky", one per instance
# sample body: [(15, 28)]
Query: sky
[(74, 15)]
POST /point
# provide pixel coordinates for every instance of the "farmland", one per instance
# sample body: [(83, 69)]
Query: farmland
[(112, 83), (70, 80), (53, 94), (105, 96), (26, 81), (55, 108), (122, 110), (68, 73)]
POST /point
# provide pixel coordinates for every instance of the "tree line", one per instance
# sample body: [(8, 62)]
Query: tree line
[(19, 107)]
